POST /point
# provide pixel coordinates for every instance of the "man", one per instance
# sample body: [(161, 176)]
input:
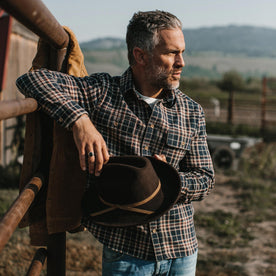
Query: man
[(142, 113)]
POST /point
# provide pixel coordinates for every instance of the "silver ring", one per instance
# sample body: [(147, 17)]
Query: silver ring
[(90, 154)]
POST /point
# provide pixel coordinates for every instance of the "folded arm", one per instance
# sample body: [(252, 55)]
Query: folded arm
[(69, 101), (61, 96)]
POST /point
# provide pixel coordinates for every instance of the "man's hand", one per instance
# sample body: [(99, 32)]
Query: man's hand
[(160, 157), (89, 140)]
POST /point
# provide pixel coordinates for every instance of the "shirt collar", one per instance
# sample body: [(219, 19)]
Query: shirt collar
[(127, 85)]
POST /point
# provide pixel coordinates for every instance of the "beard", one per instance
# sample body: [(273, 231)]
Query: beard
[(160, 78)]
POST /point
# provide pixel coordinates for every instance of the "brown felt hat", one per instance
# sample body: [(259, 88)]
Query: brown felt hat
[(131, 190)]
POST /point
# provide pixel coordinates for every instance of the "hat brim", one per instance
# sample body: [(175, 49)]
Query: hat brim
[(170, 186)]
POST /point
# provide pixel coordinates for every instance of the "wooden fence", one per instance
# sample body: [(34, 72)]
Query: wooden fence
[(35, 16), (258, 111)]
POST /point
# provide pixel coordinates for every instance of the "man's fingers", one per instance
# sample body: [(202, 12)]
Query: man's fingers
[(97, 158), (91, 160), (160, 157), (82, 159), (105, 154), (99, 161), (91, 145)]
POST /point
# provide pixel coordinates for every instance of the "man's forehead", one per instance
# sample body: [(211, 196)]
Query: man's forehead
[(170, 37)]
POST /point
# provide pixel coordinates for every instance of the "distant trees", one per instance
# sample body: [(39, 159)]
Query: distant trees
[(231, 81)]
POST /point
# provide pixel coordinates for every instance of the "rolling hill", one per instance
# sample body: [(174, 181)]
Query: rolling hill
[(209, 52)]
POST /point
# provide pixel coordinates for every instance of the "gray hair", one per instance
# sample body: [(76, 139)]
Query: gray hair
[(144, 27)]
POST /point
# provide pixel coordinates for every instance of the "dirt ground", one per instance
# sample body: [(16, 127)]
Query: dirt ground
[(216, 256), (256, 258)]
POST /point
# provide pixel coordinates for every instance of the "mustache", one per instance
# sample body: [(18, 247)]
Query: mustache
[(163, 73)]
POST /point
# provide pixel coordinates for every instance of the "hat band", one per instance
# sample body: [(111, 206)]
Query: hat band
[(128, 207)]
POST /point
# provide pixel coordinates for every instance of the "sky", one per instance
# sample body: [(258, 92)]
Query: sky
[(90, 19)]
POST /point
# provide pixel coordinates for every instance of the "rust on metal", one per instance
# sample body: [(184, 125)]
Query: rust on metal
[(37, 262), (35, 16), (13, 108), (17, 210)]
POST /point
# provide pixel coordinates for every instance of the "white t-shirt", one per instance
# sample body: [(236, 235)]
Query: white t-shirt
[(149, 100)]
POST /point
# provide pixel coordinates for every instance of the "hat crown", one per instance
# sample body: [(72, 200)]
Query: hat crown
[(131, 190), (126, 180)]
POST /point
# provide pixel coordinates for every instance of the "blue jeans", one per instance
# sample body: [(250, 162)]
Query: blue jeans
[(119, 264)]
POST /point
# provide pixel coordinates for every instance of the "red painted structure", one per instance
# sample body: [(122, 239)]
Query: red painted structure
[(5, 30)]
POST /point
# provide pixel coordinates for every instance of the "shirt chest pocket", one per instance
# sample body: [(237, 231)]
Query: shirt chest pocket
[(176, 140), (177, 145)]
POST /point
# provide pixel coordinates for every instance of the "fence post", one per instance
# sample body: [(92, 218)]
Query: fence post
[(263, 105), (56, 259), (230, 107)]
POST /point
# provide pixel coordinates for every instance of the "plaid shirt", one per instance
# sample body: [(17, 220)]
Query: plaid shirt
[(175, 127)]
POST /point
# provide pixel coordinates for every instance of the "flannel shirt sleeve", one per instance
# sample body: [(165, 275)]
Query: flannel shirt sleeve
[(196, 169), (63, 97)]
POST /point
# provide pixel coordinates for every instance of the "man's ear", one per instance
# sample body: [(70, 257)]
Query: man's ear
[(140, 56)]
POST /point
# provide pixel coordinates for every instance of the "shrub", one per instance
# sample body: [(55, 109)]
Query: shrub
[(260, 161), (234, 130)]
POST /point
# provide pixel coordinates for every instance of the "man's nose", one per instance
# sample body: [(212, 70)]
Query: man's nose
[(179, 62)]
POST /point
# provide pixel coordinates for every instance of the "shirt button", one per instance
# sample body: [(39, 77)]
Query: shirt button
[(152, 126), (115, 123), (146, 147), (154, 231), (60, 120)]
